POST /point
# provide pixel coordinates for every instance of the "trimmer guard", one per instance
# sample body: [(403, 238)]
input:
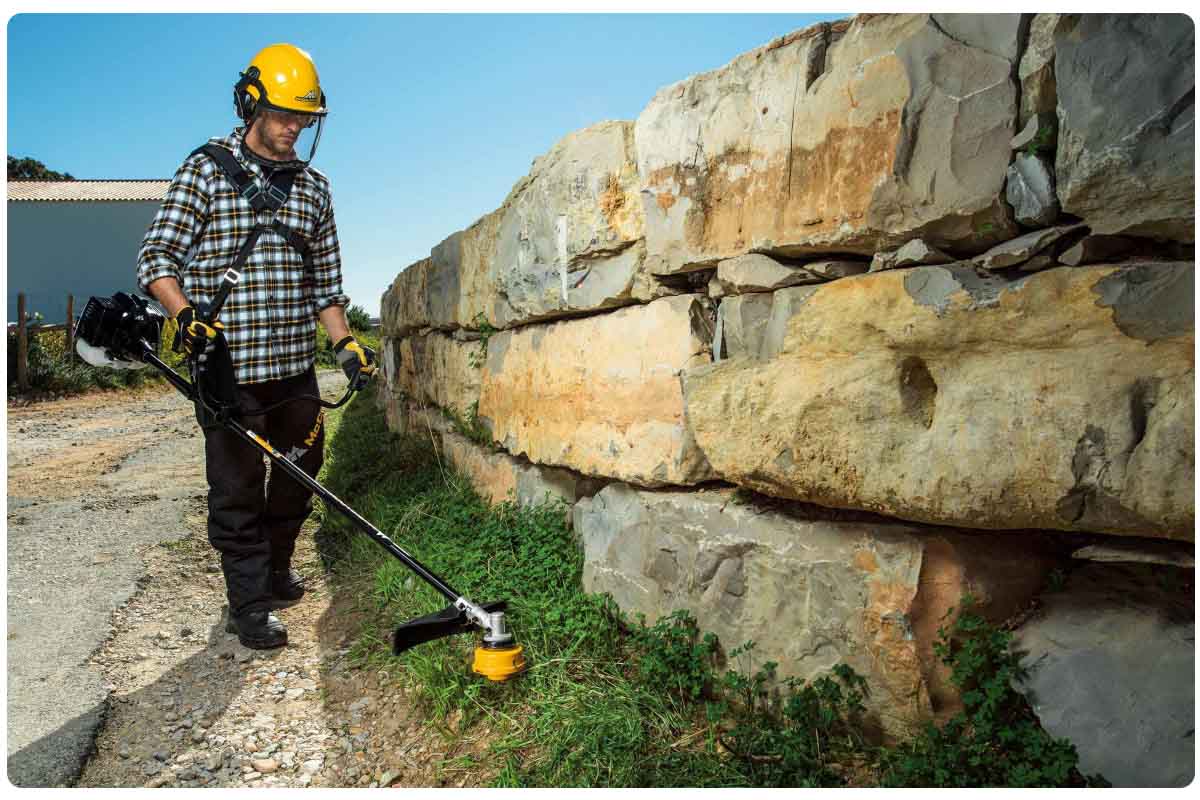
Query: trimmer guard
[(447, 622)]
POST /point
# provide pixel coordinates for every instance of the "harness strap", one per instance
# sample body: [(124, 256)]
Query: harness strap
[(279, 187), (296, 240)]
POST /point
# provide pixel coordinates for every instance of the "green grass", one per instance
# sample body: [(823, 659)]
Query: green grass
[(606, 701)]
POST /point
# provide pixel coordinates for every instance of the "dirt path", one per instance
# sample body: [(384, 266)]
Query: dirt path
[(175, 700), (93, 482)]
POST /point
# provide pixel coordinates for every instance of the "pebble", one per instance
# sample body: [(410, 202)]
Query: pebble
[(265, 765)]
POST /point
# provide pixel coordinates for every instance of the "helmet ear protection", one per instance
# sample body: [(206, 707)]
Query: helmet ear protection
[(243, 102)]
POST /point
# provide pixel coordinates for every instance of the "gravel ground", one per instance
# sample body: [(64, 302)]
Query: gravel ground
[(151, 691), (87, 497)]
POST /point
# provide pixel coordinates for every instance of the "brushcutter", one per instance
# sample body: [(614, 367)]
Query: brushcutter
[(123, 331)]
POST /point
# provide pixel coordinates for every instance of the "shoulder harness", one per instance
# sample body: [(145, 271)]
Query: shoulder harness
[(279, 188)]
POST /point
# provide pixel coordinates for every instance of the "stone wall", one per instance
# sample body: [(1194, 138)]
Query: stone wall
[(882, 312)]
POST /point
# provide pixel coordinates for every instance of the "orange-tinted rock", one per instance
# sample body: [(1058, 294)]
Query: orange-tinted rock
[(1062, 400), (601, 395), (853, 137)]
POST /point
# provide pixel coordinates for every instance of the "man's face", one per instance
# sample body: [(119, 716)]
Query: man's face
[(278, 132)]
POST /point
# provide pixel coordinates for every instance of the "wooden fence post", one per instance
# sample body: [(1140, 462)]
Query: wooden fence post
[(70, 332), (22, 346)]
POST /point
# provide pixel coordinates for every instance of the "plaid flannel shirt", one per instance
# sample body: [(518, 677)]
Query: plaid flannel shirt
[(270, 316)]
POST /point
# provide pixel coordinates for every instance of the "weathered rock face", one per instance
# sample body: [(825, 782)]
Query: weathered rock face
[(1030, 191), (1126, 110), (407, 416), (755, 272), (1096, 249), (571, 235), (1036, 70), (601, 395), (1063, 400), (754, 325), (498, 477), (1112, 662), (852, 137), (912, 254), (1025, 247), (967, 381), (403, 308), (809, 591), (435, 368)]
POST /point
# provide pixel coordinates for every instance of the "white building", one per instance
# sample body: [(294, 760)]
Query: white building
[(75, 237)]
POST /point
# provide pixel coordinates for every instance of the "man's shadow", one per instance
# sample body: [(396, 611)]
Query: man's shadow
[(219, 683)]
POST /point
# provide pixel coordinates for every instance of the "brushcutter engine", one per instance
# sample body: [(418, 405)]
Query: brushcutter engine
[(118, 331)]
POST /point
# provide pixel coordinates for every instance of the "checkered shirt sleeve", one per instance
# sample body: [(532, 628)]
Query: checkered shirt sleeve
[(270, 316)]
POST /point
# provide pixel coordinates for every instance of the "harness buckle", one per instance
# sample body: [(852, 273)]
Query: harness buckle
[(251, 191), (277, 196)]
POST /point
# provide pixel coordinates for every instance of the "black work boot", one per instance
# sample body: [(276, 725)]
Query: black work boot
[(258, 630), (287, 587)]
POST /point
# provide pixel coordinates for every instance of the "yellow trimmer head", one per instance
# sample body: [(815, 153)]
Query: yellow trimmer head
[(498, 663), (498, 657)]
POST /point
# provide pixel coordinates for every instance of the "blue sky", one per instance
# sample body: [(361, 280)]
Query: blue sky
[(433, 117)]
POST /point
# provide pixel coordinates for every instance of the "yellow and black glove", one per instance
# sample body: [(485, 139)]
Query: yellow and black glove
[(357, 361), (192, 336)]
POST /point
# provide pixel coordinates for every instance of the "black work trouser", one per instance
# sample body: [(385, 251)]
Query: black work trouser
[(254, 526)]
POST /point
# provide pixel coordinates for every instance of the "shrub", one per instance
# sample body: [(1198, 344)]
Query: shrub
[(995, 740)]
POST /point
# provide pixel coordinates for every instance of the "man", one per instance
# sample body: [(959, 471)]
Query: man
[(249, 184)]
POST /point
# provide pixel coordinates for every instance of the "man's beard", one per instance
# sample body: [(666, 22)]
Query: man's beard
[(283, 149)]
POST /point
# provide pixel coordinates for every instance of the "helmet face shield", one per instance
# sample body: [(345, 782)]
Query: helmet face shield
[(310, 137), (302, 132)]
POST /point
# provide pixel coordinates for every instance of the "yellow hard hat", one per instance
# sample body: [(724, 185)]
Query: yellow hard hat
[(282, 77)]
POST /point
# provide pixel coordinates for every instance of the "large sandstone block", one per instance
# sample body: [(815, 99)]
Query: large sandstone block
[(570, 238), (852, 137), (1126, 160), (601, 395), (498, 476), (1062, 400), (811, 589), (403, 308), (435, 368)]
